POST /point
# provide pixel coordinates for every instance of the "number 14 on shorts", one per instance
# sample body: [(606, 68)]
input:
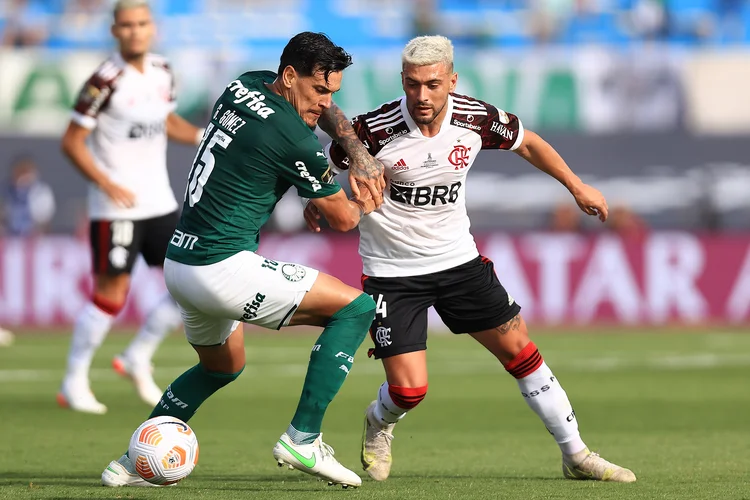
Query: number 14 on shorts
[(380, 306)]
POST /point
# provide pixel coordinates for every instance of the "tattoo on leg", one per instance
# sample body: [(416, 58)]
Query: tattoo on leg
[(513, 324)]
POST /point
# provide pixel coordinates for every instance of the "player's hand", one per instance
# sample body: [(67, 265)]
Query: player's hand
[(367, 172), (591, 201), (367, 203), (312, 216), (119, 195)]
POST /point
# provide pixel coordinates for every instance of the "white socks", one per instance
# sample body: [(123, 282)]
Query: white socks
[(386, 411), (544, 394), (161, 319), (91, 326)]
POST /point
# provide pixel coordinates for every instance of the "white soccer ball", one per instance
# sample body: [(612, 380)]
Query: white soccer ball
[(164, 450)]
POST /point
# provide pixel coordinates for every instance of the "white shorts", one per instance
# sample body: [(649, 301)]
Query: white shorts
[(245, 287)]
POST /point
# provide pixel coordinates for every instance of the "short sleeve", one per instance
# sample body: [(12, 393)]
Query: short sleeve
[(308, 170), (501, 130), (92, 98)]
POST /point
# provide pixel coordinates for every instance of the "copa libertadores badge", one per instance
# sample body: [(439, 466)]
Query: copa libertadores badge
[(293, 272)]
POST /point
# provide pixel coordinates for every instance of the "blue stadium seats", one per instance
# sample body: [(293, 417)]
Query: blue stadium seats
[(369, 24)]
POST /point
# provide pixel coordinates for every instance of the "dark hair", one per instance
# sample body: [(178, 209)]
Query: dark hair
[(309, 53)]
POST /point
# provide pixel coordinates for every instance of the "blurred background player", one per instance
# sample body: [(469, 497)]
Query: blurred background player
[(417, 252), (126, 112), (28, 203), (6, 337), (259, 143)]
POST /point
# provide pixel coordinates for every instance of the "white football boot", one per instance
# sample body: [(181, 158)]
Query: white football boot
[(6, 338), (122, 473), (77, 396), (142, 377), (588, 465), (376, 446), (315, 459)]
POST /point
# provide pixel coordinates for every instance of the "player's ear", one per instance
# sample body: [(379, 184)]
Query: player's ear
[(403, 82), (454, 81), (288, 76)]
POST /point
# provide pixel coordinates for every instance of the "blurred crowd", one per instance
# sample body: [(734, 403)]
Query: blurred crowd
[(27, 203), (85, 23)]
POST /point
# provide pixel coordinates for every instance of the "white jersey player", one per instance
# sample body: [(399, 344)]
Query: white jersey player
[(417, 252), (426, 184), (117, 139)]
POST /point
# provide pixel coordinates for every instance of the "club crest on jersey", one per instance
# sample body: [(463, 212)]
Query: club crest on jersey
[(383, 336), (459, 157), (255, 98), (293, 272)]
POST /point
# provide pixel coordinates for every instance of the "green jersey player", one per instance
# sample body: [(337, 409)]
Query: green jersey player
[(258, 144), (255, 148)]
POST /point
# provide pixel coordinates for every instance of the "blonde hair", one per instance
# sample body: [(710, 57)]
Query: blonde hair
[(427, 50), (128, 4)]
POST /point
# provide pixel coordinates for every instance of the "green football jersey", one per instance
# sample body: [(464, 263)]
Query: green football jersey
[(255, 148)]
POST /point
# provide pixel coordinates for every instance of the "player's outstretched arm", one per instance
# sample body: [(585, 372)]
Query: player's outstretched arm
[(539, 153), (181, 130), (73, 145), (364, 169)]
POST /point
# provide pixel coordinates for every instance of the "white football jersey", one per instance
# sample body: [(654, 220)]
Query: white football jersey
[(422, 226), (127, 111)]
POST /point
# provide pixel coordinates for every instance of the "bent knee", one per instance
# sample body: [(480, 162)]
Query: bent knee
[(407, 397), (366, 304), (359, 313)]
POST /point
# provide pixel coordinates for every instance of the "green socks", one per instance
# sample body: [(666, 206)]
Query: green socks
[(330, 362), (183, 396)]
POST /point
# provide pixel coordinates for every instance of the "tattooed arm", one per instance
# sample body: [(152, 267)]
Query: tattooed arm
[(364, 169)]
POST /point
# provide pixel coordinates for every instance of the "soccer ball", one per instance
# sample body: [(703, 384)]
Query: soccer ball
[(164, 450)]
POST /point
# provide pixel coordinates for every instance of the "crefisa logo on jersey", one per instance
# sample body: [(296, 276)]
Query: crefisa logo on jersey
[(256, 98), (305, 174), (251, 308)]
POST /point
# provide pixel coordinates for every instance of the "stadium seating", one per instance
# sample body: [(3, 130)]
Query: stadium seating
[(388, 23)]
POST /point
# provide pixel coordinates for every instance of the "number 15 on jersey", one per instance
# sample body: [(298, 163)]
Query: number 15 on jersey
[(204, 162)]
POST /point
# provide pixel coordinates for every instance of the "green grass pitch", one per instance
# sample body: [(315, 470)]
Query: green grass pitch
[(674, 407)]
